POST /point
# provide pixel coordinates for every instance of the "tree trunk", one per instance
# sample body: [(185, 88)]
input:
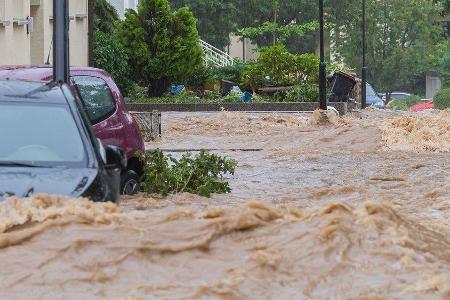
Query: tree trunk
[(158, 87), (275, 17)]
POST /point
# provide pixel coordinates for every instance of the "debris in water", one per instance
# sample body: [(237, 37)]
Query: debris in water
[(319, 117), (387, 178)]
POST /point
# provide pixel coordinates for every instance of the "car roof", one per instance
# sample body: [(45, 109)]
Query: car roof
[(400, 93), (31, 92), (39, 72)]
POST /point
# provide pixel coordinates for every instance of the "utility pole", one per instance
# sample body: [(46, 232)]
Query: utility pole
[(61, 40), (364, 67), (323, 66)]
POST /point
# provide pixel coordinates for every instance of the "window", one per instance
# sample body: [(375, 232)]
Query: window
[(96, 96), (56, 141)]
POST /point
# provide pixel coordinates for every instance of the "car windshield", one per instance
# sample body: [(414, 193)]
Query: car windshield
[(39, 135)]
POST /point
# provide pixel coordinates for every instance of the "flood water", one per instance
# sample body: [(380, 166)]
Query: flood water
[(355, 209)]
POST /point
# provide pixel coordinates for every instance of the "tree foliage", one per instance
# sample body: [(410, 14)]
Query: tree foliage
[(280, 33), (401, 34), (109, 54), (216, 19), (105, 16), (275, 19), (277, 67), (163, 47), (441, 61), (446, 7)]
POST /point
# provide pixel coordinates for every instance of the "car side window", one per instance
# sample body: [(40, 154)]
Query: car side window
[(97, 98)]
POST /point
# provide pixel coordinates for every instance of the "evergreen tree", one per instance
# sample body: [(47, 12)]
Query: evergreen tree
[(108, 54), (215, 19), (163, 47), (105, 16)]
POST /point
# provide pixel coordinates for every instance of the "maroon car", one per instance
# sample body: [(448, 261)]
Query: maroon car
[(105, 107)]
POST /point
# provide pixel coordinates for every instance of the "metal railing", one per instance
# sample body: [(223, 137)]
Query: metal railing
[(215, 56)]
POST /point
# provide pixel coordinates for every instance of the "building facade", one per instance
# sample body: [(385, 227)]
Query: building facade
[(122, 5), (26, 32), (242, 48)]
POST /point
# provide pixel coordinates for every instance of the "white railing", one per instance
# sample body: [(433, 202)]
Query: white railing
[(215, 56)]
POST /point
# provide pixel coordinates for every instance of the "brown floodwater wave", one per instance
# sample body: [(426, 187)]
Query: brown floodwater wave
[(57, 248), (424, 132)]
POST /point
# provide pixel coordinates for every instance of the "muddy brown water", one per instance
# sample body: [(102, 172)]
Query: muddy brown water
[(356, 209)]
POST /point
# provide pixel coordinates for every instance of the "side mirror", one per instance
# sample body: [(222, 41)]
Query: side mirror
[(115, 158)]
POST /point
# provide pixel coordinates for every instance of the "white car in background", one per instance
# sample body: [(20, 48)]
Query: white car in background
[(397, 96)]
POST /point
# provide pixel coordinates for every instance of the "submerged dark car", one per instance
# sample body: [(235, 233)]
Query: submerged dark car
[(47, 145)]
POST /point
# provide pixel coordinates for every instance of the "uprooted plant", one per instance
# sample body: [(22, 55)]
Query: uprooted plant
[(201, 174)]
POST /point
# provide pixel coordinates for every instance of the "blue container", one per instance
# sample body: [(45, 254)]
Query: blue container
[(246, 97)]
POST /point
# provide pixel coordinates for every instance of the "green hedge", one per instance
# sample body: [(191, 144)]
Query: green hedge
[(442, 99)]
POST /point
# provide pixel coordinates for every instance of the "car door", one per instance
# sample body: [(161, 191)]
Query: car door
[(101, 108)]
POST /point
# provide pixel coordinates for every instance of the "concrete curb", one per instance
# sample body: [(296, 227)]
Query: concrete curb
[(342, 107)]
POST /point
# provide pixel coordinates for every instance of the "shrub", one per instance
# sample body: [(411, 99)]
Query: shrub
[(177, 99), (232, 73), (232, 98), (200, 175), (213, 94), (277, 67), (442, 99), (137, 93), (303, 93), (199, 79), (163, 47)]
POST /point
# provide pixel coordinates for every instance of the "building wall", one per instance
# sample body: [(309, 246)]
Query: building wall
[(122, 5), (78, 33), (14, 40), (37, 37), (18, 47), (131, 4), (242, 49), (119, 5), (433, 84)]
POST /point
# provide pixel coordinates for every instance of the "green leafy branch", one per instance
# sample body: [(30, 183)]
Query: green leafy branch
[(201, 174)]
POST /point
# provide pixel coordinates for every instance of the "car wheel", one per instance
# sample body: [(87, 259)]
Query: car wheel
[(130, 183)]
